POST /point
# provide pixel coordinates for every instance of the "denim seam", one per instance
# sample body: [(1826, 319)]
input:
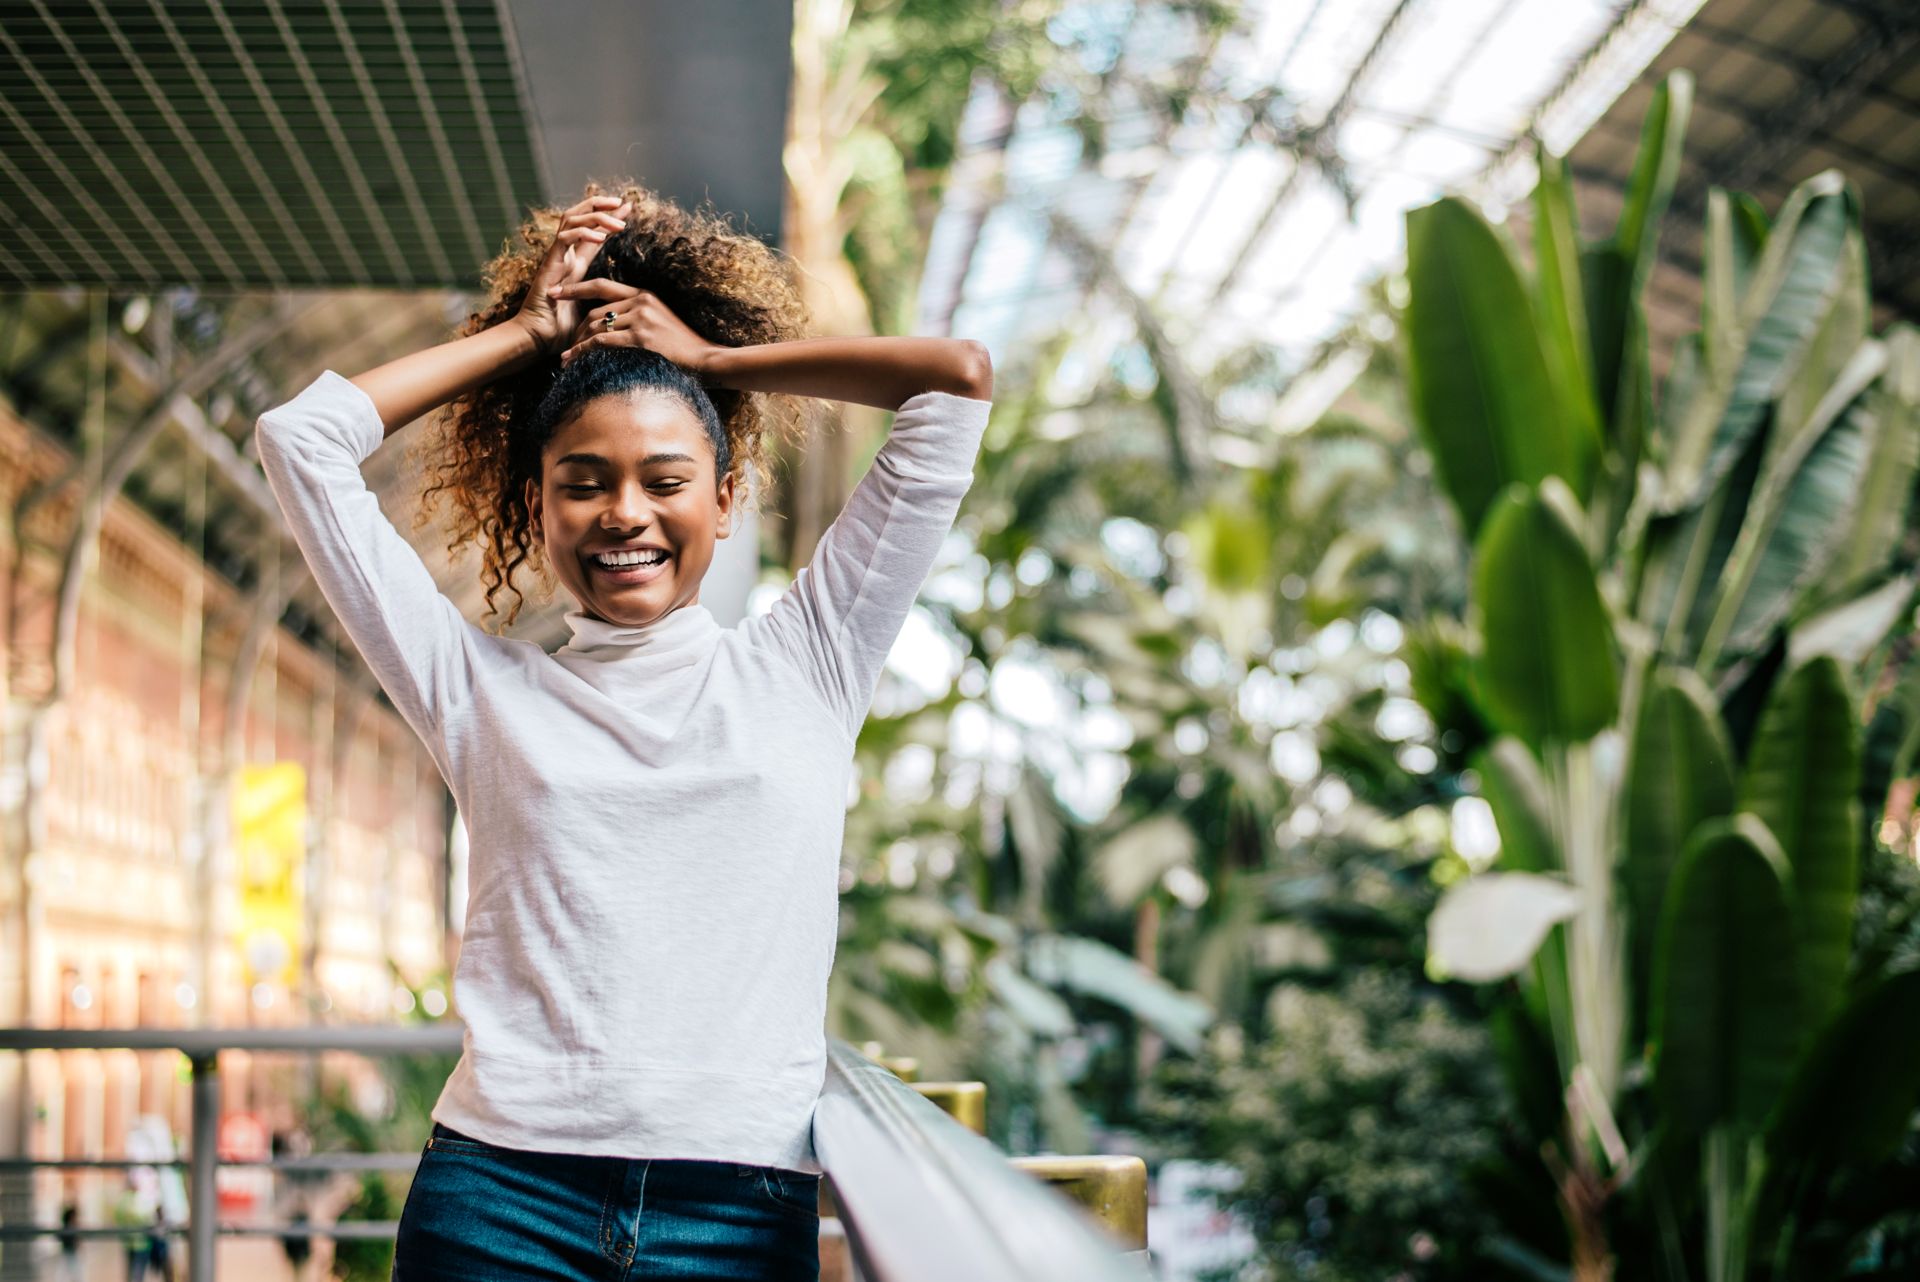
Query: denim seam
[(639, 1210), (614, 1176)]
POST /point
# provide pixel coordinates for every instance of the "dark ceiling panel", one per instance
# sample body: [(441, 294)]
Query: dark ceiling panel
[(1787, 88), (240, 144)]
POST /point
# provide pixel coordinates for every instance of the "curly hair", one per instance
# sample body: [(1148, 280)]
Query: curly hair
[(729, 287)]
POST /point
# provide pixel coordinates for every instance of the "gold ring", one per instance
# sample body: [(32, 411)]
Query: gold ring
[(607, 320)]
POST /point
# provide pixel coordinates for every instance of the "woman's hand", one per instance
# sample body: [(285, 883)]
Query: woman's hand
[(616, 315), (548, 320)]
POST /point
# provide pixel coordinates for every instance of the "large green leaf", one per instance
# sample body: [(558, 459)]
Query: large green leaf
[(1880, 507), (1546, 671), (1854, 1097), (1487, 408), (1091, 967), (1614, 272), (1681, 773), (1130, 865), (1801, 780), (1687, 555), (1726, 981), (1656, 167), (1829, 349), (1489, 926), (1800, 276), (1798, 517), (1559, 297)]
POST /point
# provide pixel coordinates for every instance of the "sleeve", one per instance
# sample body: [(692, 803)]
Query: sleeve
[(414, 639), (839, 618)]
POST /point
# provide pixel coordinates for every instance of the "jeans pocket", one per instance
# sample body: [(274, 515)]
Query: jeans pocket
[(446, 1140), (793, 1191)]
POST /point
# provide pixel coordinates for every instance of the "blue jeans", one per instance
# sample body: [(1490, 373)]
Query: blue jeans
[(481, 1213)]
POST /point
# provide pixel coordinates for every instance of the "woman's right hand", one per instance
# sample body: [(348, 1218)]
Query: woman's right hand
[(548, 321)]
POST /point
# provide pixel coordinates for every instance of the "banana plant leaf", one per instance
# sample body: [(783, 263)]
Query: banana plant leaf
[(1547, 669), (1037, 1008), (1558, 295), (1727, 981), (1854, 1098), (1799, 515), (1613, 273), (1851, 631), (1489, 926), (1090, 967), (1802, 780), (1798, 280), (1880, 506), (1680, 774), (1830, 348), (1478, 378), (1687, 555), (1130, 864)]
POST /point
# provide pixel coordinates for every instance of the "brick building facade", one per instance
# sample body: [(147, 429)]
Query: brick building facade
[(130, 793)]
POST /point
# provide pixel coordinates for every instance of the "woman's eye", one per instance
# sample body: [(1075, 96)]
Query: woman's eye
[(580, 489), (671, 486)]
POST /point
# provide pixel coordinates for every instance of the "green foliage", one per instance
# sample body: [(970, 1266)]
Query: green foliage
[(1475, 369), (1666, 673), (1547, 671), (1356, 1124)]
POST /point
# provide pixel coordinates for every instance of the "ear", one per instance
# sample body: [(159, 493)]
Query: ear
[(534, 499), (724, 497)]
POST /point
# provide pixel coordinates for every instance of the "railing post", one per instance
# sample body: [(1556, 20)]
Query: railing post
[(203, 1198)]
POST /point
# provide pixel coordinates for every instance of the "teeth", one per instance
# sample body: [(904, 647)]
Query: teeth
[(650, 556)]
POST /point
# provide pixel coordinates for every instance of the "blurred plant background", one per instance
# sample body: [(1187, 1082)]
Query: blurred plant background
[(1220, 716)]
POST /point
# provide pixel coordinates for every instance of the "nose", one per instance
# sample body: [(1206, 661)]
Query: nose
[(627, 508)]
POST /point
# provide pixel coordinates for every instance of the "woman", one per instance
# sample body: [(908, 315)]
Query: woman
[(655, 809)]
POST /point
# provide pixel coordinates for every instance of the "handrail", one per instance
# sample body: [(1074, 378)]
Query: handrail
[(440, 1037), (926, 1200), (202, 1047)]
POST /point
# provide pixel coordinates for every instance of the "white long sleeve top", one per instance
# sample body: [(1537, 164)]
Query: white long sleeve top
[(654, 814)]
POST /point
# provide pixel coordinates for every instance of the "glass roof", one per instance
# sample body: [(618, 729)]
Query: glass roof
[(1227, 221)]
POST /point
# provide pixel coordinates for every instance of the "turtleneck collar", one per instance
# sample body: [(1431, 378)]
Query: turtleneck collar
[(688, 627)]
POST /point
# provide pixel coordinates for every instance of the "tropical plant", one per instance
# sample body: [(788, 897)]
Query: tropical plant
[(1671, 614)]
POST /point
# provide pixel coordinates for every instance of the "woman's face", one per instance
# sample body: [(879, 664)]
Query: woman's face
[(631, 473)]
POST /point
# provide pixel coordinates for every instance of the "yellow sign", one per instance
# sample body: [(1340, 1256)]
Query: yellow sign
[(270, 840)]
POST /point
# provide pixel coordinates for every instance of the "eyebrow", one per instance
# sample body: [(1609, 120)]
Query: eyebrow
[(599, 460)]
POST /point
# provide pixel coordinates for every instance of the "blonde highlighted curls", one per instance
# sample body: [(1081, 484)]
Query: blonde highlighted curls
[(729, 287)]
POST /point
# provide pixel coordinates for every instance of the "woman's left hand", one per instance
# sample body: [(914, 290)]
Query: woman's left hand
[(617, 315)]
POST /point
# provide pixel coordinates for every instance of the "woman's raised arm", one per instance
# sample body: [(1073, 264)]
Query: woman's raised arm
[(421, 382), (883, 372)]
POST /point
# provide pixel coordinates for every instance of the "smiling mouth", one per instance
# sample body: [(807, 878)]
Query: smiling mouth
[(630, 572)]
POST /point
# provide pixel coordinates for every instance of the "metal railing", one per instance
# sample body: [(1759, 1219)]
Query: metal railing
[(921, 1197), (202, 1047)]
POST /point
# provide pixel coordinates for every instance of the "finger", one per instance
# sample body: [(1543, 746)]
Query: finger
[(600, 287), (595, 202), (587, 345), (594, 218), (591, 235)]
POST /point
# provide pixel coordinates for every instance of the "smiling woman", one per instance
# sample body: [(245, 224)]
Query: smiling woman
[(635, 484), (656, 809)]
